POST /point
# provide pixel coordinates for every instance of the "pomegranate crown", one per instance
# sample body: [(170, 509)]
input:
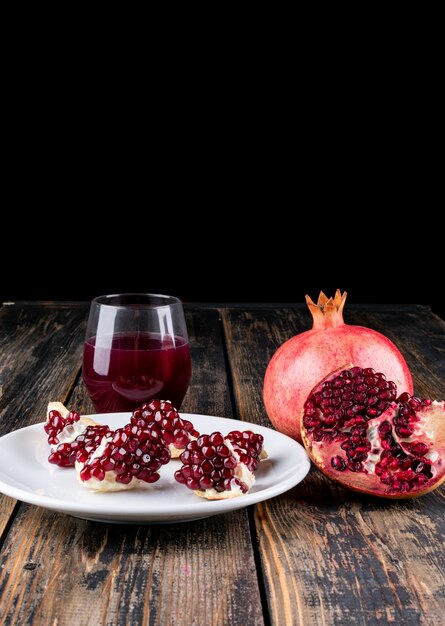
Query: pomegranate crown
[(328, 312)]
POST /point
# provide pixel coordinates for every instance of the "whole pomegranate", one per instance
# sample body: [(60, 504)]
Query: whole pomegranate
[(308, 357), (362, 436)]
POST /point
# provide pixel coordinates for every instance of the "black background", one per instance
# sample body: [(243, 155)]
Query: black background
[(224, 193), (247, 221), (208, 263)]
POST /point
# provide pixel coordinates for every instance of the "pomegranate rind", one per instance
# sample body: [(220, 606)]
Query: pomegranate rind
[(309, 356), (175, 452), (428, 428)]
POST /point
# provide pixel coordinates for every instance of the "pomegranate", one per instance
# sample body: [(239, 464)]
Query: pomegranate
[(216, 469), (58, 417), (68, 433), (65, 454), (359, 434), (176, 431), (249, 446), (125, 458), (308, 357)]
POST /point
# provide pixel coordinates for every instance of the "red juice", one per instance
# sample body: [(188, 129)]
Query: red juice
[(124, 370)]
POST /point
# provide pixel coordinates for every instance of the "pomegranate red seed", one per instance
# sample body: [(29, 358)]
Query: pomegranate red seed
[(418, 449), (249, 445), (212, 462), (65, 454), (55, 423), (129, 452), (175, 430), (338, 463)]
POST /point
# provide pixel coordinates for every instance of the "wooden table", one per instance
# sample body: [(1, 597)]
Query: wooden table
[(314, 555)]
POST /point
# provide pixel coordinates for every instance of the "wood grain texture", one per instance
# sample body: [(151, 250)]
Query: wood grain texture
[(252, 336), (330, 556), (40, 349), (420, 336), (73, 572), (40, 357), (65, 571), (7, 511)]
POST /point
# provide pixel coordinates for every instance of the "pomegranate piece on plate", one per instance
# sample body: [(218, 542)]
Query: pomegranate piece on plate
[(68, 433), (216, 467), (362, 436), (124, 459), (176, 431), (249, 446), (57, 418)]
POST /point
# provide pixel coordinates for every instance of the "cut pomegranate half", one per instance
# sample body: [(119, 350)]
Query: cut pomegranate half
[(358, 434)]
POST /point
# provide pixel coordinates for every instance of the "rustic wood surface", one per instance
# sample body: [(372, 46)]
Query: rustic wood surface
[(329, 556), (61, 570), (315, 555)]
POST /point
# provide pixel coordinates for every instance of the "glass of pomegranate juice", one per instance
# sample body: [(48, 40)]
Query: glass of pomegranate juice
[(136, 349)]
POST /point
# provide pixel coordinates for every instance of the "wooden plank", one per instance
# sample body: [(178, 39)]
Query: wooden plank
[(421, 339), (330, 556), (40, 355), (7, 511), (40, 349), (92, 573), (258, 333), (61, 570)]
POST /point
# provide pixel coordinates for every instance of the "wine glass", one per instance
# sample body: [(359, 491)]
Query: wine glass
[(136, 349)]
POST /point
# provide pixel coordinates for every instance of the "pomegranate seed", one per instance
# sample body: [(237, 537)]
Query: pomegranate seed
[(421, 479), (249, 443), (404, 432), (130, 452), (361, 448), (209, 463), (418, 449), (338, 463), (173, 429), (354, 467), (192, 483), (205, 482), (125, 478), (209, 452)]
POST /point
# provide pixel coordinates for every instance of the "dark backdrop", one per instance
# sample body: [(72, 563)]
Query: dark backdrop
[(224, 203), (193, 285), (207, 258), (228, 291)]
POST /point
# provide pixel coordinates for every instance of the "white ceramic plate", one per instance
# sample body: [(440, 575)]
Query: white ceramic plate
[(26, 475)]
